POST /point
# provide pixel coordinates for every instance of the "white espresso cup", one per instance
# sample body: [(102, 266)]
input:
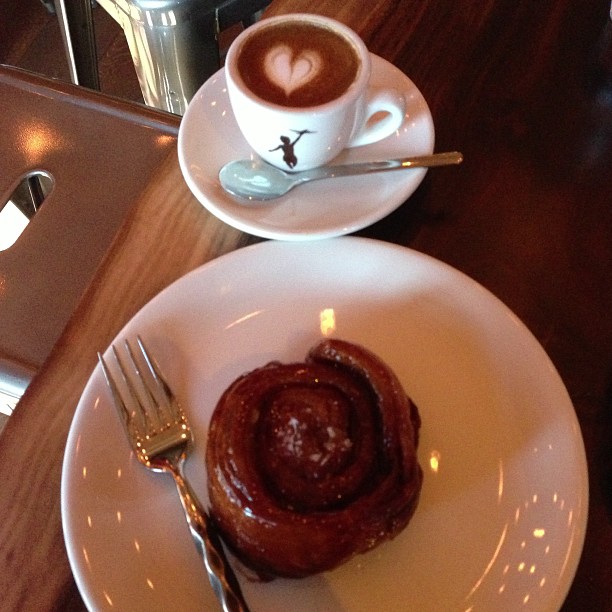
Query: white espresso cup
[(299, 86)]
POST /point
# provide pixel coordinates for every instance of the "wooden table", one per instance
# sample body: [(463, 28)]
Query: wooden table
[(524, 92)]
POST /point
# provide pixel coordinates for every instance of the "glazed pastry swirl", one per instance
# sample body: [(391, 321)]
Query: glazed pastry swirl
[(311, 463)]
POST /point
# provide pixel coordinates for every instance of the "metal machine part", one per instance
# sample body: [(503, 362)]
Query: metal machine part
[(174, 43)]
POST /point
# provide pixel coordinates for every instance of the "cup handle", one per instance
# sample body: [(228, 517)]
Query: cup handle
[(391, 105)]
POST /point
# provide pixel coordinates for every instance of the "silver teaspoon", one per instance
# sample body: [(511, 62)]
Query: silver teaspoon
[(257, 180)]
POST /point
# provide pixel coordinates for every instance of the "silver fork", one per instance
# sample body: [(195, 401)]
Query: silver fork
[(161, 438)]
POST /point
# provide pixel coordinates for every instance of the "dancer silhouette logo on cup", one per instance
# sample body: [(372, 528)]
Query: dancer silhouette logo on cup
[(287, 147)]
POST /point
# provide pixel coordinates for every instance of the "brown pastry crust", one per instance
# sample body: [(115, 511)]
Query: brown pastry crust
[(311, 463)]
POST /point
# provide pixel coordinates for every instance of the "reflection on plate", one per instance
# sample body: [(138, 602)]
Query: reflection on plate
[(503, 510), (209, 138)]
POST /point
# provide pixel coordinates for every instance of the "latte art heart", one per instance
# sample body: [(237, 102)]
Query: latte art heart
[(295, 63), (289, 71)]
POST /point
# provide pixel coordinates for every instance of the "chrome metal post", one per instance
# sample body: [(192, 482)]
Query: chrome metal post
[(76, 24)]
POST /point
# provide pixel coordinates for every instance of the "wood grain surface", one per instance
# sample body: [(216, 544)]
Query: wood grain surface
[(526, 94), (30, 38)]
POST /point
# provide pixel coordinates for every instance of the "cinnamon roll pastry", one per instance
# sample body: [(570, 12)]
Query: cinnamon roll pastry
[(311, 463)]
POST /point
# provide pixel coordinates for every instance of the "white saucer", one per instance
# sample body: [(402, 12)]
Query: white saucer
[(209, 138), (502, 515)]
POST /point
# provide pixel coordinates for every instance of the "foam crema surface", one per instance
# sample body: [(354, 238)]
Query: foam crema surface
[(298, 64)]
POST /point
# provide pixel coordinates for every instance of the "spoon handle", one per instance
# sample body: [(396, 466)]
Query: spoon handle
[(421, 161)]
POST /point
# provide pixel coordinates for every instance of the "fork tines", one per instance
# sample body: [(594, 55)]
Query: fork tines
[(145, 402)]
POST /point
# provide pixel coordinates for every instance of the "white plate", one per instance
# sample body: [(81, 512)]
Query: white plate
[(209, 138), (502, 515)]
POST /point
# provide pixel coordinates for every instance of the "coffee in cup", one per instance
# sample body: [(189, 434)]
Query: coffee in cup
[(299, 89), (297, 64)]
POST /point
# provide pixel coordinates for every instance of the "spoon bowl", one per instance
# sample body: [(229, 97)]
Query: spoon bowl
[(254, 179)]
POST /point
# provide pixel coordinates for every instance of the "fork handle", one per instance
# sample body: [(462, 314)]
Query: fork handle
[(220, 573)]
